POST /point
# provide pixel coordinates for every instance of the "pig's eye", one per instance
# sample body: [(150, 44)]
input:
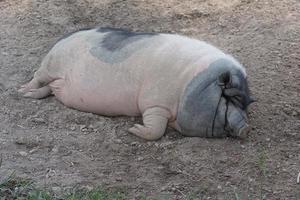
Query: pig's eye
[(238, 101), (237, 97)]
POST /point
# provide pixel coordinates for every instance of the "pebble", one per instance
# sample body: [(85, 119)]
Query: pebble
[(91, 126), (133, 143), (23, 153), (73, 127), (32, 150), (20, 141), (118, 141), (294, 113), (56, 189), (119, 179), (38, 120), (293, 134), (165, 144), (83, 128), (140, 159), (54, 150)]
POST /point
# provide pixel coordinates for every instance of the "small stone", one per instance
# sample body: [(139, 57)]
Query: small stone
[(294, 113), (91, 126), (38, 120), (282, 139), (133, 143), (140, 159), (73, 128), (23, 153), (83, 128), (87, 187), (268, 139), (56, 189), (32, 151), (5, 131), (18, 54), (118, 141), (165, 145), (164, 188), (119, 179), (20, 141), (293, 134), (55, 150)]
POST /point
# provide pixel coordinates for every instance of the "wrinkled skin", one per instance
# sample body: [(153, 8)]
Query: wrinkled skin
[(168, 79)]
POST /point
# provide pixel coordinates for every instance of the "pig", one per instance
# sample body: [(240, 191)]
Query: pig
[(169, 79)]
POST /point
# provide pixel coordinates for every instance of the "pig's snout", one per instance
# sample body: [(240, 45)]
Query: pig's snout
[(237, 123)]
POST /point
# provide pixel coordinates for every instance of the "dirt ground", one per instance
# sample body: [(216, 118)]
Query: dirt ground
[(60, 148)]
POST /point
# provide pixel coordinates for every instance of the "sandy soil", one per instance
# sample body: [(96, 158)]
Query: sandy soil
[(60, 148)]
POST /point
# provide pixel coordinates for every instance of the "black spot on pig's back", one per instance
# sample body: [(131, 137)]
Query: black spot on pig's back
[(116, 45), (116, 39)]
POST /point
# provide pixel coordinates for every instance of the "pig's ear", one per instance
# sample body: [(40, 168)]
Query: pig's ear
[(224, 79)]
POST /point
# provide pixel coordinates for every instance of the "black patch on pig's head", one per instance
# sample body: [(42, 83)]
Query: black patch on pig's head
[(212, 99)]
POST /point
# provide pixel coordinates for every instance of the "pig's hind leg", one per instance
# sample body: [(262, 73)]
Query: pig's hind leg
[(38, 93), (38, 87), (155, 122)]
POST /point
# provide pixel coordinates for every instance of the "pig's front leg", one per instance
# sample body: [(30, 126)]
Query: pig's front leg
[(155, 122)]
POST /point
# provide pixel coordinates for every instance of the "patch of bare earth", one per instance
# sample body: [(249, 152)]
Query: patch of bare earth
[(59, 147)]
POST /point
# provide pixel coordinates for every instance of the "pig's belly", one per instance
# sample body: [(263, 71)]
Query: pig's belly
[(106, 97)]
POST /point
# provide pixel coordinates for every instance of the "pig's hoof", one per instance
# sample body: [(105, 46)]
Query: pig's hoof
[(38, 93), (145, 132), (138, 130), (23, 88)]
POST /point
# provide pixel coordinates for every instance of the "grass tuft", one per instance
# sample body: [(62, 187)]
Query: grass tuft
[(262, 166), (23, 189)]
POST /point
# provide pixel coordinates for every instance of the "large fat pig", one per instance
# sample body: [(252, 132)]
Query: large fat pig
[(167, 78)]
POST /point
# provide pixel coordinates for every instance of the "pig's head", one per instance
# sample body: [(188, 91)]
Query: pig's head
[(214, 103)]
